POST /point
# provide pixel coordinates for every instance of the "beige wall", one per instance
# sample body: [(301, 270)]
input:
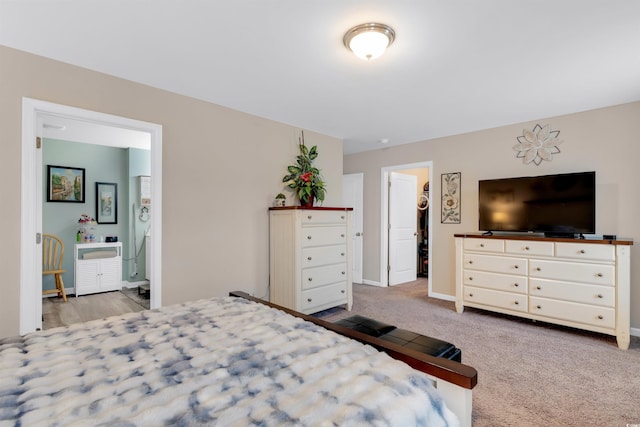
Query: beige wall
[(604, 140), (221, 170)]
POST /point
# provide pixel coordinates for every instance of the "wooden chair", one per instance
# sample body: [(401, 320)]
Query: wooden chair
[(52, 257)]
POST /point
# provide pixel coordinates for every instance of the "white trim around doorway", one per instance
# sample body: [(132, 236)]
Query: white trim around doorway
[(31, 201), (384, 215)]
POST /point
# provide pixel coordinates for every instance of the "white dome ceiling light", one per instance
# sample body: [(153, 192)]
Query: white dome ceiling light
[(369, 41)]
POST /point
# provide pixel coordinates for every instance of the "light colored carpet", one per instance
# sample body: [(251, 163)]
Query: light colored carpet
[(529, 373)]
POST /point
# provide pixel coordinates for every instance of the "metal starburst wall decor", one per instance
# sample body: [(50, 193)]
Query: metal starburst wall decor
[(537, 144)]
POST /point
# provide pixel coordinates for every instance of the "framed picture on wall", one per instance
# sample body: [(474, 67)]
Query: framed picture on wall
[(65, 184), (450, 190), (106, 203)]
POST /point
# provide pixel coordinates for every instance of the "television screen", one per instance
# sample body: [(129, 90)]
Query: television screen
[(554, 204)]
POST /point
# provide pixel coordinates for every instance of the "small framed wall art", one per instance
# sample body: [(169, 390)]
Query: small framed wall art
[(450, 187), (65, 184), (106, 203)]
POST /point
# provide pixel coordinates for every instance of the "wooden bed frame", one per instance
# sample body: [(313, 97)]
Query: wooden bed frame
[(454, 381)]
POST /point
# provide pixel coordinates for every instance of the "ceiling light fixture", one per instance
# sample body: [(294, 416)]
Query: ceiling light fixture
[(369, 41)]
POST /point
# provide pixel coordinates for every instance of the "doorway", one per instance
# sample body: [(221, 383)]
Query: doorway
[(417, 252), (34, 113), (353, 197)]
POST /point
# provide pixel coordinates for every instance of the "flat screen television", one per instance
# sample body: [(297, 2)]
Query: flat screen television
[(560, 205)]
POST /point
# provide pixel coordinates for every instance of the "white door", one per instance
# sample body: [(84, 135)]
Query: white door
[(403, 231), (353, 197)]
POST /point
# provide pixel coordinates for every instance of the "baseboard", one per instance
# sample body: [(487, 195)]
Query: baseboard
[(442, 296), (372, 283), (130, 285), (635, 332), (68, 291)]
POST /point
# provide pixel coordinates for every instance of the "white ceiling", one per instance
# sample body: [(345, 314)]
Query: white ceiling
[(456, 65)]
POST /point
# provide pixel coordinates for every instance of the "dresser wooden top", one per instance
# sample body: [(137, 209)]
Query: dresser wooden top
[(620, 241), (315, 208)]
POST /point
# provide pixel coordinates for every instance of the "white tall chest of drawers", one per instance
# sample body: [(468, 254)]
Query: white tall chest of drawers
[(583, 284), (310, 258)]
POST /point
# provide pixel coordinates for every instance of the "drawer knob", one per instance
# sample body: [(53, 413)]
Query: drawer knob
[(600, 316), (470, 295), (310, 279), (309, 217), (581, 251), (309, 258), (482, 245), (600, 296), (599, 274), (470, 262), (470, 278), (516, 302), (343, 273), (342, 253), (342, 291), (341, 216), (309, 299), (516, 285), (538, 287), (516, 267), (309, 237), (342, 235), (538, 269), (538, 306), (526, 248)]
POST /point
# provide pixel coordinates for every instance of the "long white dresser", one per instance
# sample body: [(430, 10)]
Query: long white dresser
[(310, 258), (583, 284)]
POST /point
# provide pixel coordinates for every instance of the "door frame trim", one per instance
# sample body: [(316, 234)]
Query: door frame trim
[(31, 202), (384, 216)]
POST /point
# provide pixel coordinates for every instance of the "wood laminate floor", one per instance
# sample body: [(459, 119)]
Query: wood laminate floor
[(56, 312)]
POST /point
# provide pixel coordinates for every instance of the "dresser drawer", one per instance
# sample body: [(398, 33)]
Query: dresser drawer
[(500, 282), (495, 264), (597, 274), (324, 217), (319, 236), (574, 312), (484, 245), (586, 251), (320, 276), (323, 255), (321, 297), (523, 247), (505, 300), (574, 292)]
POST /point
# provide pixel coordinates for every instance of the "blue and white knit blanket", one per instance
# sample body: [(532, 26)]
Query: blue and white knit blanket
[(222, 361)]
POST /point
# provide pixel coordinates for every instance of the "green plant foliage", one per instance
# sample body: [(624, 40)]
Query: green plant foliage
[(304, 178)]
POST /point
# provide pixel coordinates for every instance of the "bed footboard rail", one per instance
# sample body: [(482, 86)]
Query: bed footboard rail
[(455, 381)]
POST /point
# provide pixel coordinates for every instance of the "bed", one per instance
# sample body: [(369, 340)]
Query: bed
[(229, 361)]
